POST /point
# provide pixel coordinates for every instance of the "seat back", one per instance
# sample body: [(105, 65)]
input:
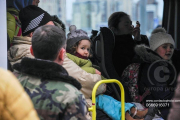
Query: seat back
[(107, 42), (103, 44)]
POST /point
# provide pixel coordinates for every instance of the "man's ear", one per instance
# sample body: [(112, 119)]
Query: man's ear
[(31, 50), (31, 34), (62, 54)]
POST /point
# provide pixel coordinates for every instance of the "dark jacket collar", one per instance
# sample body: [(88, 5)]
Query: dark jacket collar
[(46, 70), (124, 39)]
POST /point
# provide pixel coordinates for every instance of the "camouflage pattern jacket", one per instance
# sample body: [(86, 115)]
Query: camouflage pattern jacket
[(54, 93)]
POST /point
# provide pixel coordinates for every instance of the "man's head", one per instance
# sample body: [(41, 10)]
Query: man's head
[(32, 17), (48, 43), (35, 2)]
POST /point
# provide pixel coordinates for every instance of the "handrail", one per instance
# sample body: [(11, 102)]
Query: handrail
[(93, 108)]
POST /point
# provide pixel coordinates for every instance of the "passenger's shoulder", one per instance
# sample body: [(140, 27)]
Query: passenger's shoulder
[(70, 93), (69, 88)]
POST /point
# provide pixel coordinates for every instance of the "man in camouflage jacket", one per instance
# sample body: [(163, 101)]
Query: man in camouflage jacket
[(54, 93)]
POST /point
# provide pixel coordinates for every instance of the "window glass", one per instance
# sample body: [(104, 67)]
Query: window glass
[(93, 14)]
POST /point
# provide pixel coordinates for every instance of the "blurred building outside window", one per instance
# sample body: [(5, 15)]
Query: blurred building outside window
[(93, 14)]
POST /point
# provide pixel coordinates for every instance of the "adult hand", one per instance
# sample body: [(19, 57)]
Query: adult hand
[(136, 32), (97, 72)]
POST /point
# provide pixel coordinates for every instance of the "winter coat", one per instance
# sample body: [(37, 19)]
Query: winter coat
[(14, 101), (175, 109), (54, 93), (20, 49), (158, 90), (84, 64), (111, 106), (123, 52), (87, 80), (13, 22)]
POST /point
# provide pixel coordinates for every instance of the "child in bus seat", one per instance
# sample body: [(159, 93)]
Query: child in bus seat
[(78, 45), (75, 49), (138, 78)]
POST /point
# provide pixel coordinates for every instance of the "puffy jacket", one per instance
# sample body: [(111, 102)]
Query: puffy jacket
[(84, 64), (111, 106), (13, 22), (14, 102)]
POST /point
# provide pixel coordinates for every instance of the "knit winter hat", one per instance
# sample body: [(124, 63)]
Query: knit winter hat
[(32, 17), (75, 36), (158, 37)]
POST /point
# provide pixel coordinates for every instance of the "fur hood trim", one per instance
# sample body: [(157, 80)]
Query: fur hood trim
[(146, 54), (46, 70)]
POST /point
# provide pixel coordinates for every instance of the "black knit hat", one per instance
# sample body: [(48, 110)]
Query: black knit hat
[(32, 17), (75, 36)]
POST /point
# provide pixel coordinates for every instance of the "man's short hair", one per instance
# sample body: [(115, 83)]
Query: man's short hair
[(47, 41)]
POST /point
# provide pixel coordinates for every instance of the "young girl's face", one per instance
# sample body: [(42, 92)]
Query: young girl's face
[(84, 48), (165, 51)]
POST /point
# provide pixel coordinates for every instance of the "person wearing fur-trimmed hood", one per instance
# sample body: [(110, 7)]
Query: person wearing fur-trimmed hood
[(161, 49)]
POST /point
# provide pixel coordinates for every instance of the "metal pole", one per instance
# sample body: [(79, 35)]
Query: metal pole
[(3, 34), (143, 16)]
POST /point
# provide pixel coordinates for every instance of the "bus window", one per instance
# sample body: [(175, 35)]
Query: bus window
[(93, 14)]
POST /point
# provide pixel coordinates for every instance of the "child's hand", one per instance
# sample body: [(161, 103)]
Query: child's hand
[(105, 88), (97, 72)]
